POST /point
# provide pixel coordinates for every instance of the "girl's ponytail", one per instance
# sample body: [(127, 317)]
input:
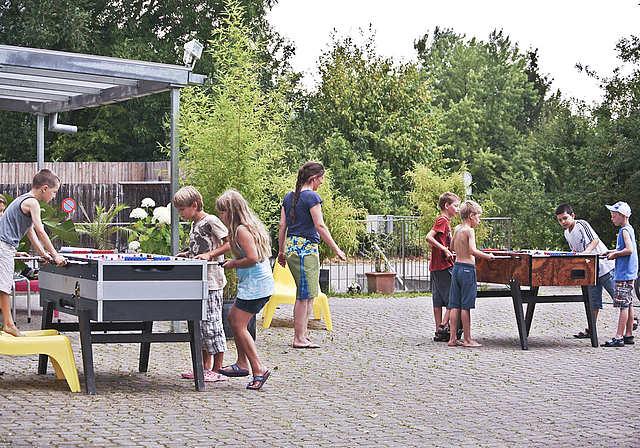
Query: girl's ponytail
[(308, 170)]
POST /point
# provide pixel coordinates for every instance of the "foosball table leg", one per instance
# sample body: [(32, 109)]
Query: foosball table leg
[(591, 318), (84, 324), (145, 348), (531, 307), (47, 318), (516, 295), (196, 353)]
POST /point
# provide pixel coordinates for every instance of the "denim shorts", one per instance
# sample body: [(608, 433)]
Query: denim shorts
[(464, 287), (251, 306), (604, 282)]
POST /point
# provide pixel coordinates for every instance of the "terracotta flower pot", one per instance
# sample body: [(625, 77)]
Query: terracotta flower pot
[(382, 282)]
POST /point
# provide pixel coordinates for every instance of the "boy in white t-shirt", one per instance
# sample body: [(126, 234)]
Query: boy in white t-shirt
[(583, 239)]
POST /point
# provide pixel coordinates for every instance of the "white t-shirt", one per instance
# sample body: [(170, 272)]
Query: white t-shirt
[(580, 237)]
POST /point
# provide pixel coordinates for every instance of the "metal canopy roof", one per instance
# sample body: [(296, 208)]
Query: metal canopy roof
[(45, 81)]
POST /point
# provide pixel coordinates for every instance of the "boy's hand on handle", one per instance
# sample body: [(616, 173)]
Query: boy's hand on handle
[(447, 254), (59, 260)]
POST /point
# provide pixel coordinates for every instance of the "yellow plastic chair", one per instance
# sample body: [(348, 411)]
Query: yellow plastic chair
[(45, 342), (286, 293)]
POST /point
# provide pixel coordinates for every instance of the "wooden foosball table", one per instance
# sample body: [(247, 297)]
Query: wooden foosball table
[(535, 269)]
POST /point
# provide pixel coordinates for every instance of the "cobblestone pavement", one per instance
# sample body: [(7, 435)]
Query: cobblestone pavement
[(378, 380)]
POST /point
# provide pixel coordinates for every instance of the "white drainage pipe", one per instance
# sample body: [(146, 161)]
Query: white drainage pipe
[(65, 128)]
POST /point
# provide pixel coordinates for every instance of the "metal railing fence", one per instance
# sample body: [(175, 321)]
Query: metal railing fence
[(397, 244)]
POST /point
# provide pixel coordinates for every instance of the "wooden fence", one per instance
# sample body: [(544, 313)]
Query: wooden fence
[(95, 183), (87, 172)]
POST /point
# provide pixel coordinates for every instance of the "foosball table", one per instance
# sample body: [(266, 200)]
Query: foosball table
[(111, 292), (534, 269)]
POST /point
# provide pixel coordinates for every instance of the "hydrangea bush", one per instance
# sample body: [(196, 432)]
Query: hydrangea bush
[(152, 228)]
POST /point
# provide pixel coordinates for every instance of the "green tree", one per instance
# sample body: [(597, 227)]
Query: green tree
[(50, 24), (612, 167), (532, 211), (426, 187), (489, 95), (369, 110), (231, 132), (558, 144)]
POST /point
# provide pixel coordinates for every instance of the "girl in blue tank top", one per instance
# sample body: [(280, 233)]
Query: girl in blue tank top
[(251, 247)]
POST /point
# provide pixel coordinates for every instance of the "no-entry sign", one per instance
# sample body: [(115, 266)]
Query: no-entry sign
[(68, 205)]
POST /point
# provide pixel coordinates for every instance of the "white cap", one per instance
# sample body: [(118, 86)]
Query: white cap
[(620, 207)]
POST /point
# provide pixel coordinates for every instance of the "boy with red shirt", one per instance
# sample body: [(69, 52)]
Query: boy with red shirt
[(441, 264)]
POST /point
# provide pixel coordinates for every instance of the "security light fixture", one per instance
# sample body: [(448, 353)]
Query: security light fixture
[(192, 52)]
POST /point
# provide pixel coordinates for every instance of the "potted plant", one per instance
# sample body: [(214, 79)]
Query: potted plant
[(381, 280), (102, 227)]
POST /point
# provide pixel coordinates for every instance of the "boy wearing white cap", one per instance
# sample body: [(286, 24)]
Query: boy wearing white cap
[(626, 256)]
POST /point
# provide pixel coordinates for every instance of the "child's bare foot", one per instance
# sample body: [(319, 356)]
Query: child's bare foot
[(454, 342), (12, 330), (471, 344)]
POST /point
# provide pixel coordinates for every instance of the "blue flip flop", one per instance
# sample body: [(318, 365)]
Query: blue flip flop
[(233, 371), (260, 380)]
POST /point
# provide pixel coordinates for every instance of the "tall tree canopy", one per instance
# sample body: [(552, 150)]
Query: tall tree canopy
[(370, 120), (489, 96), (613, 158), (231, 132)]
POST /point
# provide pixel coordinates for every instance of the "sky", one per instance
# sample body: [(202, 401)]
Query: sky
[(565, 32)]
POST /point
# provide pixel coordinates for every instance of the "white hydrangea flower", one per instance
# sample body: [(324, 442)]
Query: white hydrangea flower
[(162, 215), (138, 213), (148, 202), (134, 245)]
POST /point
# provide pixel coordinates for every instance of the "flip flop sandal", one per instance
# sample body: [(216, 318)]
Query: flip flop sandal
[(233, 371), (260, 380)]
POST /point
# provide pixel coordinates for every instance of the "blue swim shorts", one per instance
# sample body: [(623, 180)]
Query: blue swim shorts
[(464, 287)]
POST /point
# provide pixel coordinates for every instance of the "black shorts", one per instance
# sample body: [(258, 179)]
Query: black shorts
[(251, 306), (440, 285)]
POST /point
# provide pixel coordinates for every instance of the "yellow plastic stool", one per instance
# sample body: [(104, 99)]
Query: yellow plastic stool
[(45, 342), (286, 293)]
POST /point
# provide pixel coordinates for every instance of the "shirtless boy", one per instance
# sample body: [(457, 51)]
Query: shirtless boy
[(464, 286)]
